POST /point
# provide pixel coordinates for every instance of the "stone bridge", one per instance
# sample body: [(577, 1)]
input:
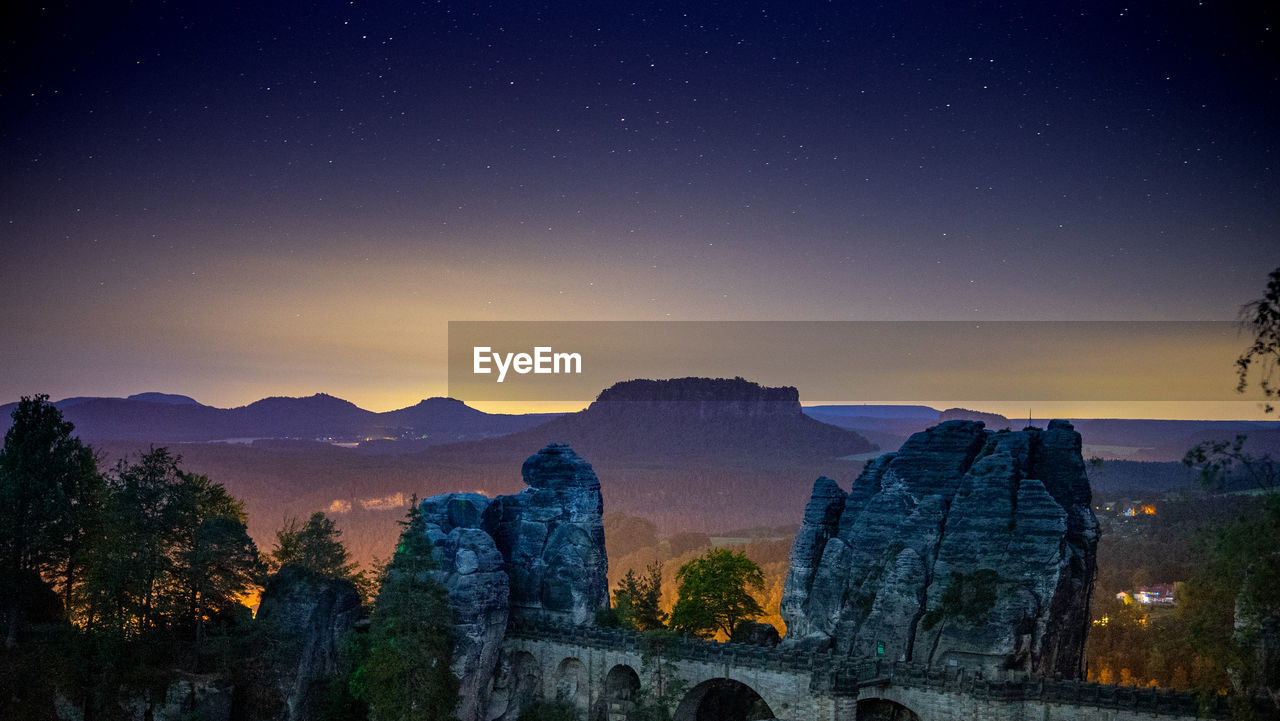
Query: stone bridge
[(601, 671)]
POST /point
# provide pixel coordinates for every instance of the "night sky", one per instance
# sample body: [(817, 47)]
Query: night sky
[(232, 201)]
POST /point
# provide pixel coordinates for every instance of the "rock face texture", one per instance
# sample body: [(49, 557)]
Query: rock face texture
[(552, 536), (538, 554), (965, 547), (308, 614), (207, 698), (470, 567)]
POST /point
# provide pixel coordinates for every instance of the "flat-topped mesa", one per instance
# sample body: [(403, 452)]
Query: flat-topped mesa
[(703, 397), (966, 547)]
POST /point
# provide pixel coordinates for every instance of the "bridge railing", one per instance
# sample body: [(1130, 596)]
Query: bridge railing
[(850, 679), (685, 648), (845, 676)]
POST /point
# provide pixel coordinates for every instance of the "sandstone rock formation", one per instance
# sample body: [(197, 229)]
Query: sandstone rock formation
[(471, 569), (206, 697), (538, 554), (552, 536), (191, 696), (307, 615), (965, 547)]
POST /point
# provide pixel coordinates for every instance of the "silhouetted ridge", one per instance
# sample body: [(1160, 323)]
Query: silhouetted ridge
[(310, 417), (993, 421), (698, 389), (318, 403), (436, 410), (725, 399), (168, 418), (170, 398)]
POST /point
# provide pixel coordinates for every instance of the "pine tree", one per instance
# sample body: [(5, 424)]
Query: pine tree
[(406, 675), (637, 598), (315, 545)]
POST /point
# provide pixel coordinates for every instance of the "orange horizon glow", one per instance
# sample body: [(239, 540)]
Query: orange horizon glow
[(380, 402)]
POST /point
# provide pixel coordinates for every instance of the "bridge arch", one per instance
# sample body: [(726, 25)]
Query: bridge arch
[(882, 709), (722, 699), (518, 684), (571, 683), (616, 701)]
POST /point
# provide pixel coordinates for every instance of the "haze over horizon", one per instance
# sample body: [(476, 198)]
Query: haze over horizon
[(233, 203), (1150, 410)]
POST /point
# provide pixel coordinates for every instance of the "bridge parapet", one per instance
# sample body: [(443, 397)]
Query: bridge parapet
[(687, 648), (850, 680), (840, 676)]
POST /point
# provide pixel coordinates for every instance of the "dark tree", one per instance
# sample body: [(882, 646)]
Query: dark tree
[(636, 601), (406, 675), (131, 564), (173, 551), (713, 593), (968, 598), (1218, 461), (217, 562), (49, 494), (1262, 318), (315, 545), (1233, 602), (1222, 462)]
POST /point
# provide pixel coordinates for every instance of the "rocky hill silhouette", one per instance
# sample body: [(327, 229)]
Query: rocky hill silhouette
[(679, 421), (167, 418)]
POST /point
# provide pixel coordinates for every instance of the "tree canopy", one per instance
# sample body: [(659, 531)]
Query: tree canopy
[(1233, 602), (50, 491), (173, 552), (637, 599), (713, 593), (315, 545), (406, 674)]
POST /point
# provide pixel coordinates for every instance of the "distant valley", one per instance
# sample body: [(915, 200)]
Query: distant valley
[(700, 455)]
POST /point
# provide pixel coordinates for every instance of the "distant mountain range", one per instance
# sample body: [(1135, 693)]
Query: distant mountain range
[(1133, 439), (689, 453), (169, 418), (683, 417)]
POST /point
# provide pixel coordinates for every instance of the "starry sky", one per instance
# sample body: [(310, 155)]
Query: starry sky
[(237, 200)]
